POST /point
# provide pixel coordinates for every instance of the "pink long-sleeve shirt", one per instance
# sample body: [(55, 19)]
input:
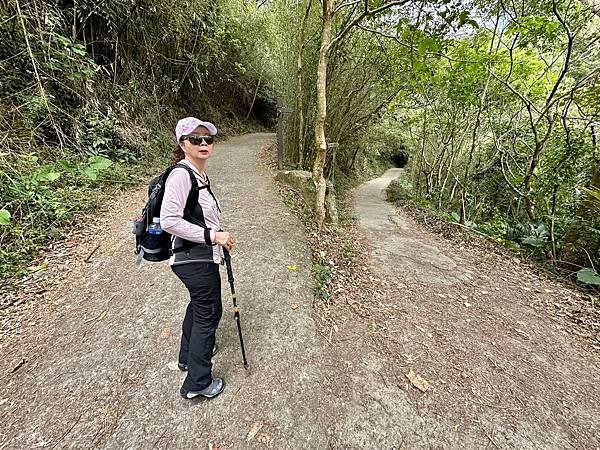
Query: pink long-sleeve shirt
[(177, 188)]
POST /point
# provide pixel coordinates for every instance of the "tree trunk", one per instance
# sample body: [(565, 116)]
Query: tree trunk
[(465, 183), (300, 92), (255, 93), (320, 140)]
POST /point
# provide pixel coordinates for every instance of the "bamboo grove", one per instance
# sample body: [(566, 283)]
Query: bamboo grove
[(89, 93)]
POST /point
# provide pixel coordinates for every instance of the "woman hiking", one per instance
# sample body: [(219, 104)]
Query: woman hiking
[(198, 266)]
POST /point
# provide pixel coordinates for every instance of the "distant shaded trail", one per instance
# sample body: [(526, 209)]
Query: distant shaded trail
[(400, 248), (503, 372)]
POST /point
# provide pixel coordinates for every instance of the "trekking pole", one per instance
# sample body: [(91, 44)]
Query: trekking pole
[(236, 308)]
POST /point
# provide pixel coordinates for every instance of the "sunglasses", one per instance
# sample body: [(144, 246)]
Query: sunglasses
[(197, 140)]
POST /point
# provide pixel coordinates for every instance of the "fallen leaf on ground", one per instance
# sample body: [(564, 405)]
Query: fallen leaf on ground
[(172, 366), (166, 333), (265, 439), (418, 381), (38, 268), (522, 333), (292, 267), (254, 429)]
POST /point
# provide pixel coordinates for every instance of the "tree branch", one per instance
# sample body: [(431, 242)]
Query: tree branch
[(565, 68), (343, 5), (366, 13)]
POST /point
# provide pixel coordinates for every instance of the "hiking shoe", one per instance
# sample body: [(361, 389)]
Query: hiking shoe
[(212, 390), (183, 367)]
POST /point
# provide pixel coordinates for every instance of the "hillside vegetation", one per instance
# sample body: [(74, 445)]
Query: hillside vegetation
[(90, 93), (494, 104)]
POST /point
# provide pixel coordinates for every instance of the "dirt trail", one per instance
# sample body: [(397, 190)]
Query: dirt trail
[(98, 369), (92, 364), (398, 250), (503, 373)]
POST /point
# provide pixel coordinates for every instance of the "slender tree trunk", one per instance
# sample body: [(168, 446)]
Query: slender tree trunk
[(320, 140), (255, 93), (299, 92), (533, 163), (465, 183), (552, 221)]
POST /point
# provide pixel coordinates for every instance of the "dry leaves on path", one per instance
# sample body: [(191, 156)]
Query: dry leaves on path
[(254, 429), (418, 381)]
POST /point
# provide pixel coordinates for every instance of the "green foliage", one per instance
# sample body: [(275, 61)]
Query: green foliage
[(593, 195), (494, 127), (400, 190), (536, 236), (454, 217), (588, 276), (4, 217), (96, 165), (349, 250), (40, 199), (322, 275), (496, 227)]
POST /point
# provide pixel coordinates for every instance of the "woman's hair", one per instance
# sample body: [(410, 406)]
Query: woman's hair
[(178, 154)]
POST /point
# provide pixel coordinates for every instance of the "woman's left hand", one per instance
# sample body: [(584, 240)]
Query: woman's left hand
[(225, 239)]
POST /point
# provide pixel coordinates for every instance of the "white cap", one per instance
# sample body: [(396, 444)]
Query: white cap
[(188, 124)]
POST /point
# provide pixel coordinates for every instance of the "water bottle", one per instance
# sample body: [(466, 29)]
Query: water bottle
[(154, 227)]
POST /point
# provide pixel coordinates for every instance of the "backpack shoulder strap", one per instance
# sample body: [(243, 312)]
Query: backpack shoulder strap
[(192, 199), (211, 193)]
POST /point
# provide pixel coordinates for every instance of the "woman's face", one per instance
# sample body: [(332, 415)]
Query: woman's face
[(198, 150)]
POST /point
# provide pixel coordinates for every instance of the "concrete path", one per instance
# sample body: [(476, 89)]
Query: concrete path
[(93, 363), (503, 371), (99, 367), (400, 249)]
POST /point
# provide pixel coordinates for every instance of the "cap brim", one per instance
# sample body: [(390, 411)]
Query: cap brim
[(212, 130)]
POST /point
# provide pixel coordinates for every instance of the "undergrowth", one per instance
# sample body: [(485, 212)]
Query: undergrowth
[(89, 102), (334, 251), (527, 240)]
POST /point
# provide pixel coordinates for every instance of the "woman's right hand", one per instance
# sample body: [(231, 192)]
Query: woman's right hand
[(224, 239)]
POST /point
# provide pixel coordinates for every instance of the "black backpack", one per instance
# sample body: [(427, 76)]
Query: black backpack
[(157, 247)]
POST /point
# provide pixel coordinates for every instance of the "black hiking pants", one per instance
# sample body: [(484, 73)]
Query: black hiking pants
[(202, 317)]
